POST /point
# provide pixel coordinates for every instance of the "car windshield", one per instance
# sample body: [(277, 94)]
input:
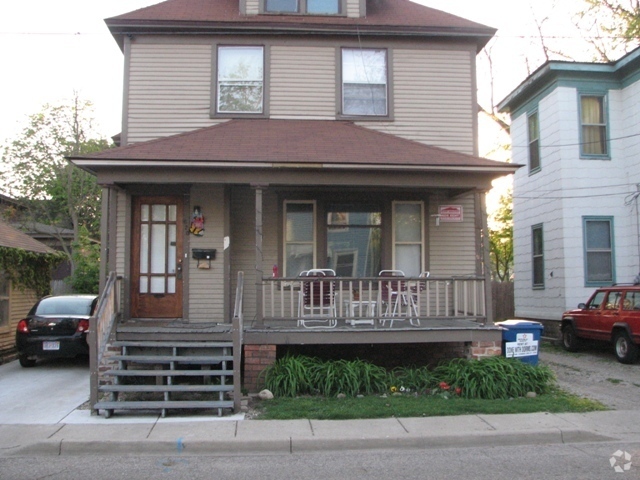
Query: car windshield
[(65, 306)]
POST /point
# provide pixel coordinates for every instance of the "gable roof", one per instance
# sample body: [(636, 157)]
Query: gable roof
[(383, 16), (13, 238), (268, 143)]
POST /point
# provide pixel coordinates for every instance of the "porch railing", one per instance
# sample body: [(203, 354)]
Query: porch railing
[(101, 326), (435, 297), (237, 331)]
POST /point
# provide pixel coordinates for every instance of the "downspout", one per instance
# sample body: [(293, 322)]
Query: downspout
[(259, 270), (484, 265)]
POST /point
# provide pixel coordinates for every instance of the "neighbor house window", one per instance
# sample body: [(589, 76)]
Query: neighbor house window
[(598, 250), (408, 237), (4, 300), (537, 256), (299, 237), (593, 125), (534, 142), (364, 82), (319, 7), (240, 79), (353, 239)]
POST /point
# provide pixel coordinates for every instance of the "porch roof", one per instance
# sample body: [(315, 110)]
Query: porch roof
[(277, 144), (382, 16)]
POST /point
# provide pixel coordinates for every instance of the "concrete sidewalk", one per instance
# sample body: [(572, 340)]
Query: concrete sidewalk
[(80, 433)]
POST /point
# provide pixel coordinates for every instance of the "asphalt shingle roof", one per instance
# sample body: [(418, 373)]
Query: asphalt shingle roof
[(14, 238)]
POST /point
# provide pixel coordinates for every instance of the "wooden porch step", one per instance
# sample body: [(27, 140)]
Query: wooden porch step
[(160, 344), (191, 359), (166, 388), (168, 373)]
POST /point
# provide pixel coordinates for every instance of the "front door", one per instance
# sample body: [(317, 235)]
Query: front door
[(156, 261)]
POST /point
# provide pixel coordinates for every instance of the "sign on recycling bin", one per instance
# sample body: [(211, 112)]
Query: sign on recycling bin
[(524, 346)]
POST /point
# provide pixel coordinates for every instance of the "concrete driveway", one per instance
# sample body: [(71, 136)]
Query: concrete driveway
[(45, 394)]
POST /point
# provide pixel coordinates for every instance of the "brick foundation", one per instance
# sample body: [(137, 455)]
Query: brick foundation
[(480, 350), (256, 359)]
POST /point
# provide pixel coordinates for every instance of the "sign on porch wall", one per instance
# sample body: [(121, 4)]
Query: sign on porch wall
[(450, 213)]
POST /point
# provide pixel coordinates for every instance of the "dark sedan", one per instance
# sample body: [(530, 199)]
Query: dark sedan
[(56, 327)]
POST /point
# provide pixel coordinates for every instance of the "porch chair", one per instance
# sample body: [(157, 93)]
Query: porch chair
[(396, 296), (316, 302)]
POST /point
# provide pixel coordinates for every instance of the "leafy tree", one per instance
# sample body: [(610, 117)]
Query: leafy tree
[(86, 257), (501, 239), (613, 26), (50, 190)]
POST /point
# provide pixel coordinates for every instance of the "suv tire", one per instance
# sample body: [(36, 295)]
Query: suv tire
[(626, 351), (570, 341)]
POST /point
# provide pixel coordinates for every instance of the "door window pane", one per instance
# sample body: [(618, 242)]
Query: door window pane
[(144, 248), (158, 245), (408, 235), (158, 213), (157, 285), (299, 237)]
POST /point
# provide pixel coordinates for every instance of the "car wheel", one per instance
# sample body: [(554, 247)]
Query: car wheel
[(570, 341), (26, 362), (626, 350)]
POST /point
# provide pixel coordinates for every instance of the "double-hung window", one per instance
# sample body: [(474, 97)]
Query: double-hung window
[(593, 124), (364, 82), (533, 128), (299, 237), (408, 237), (318, 7), (240, 79), (537, 256), (598, 250), (4, 300)]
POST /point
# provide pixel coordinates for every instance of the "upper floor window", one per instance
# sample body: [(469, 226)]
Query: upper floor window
[(534, 142), (537, 256), (598, 250), (240, 79), (593, 124), (319, 7), (364, 82)]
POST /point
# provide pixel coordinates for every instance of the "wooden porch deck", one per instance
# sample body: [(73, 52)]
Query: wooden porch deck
[(283, 332)]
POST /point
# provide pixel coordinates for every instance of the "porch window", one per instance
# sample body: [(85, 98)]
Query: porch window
[(537, 256), (240, 79), (534, 142), (408, 237), (364, 82), (353, 240), (299, 235), (593, 125), (598, 254), (4, 300)]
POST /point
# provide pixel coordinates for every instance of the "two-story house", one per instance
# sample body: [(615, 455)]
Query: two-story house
[(273, 137), (574, 126)]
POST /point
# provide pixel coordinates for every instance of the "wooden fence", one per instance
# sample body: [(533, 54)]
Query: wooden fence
[(503, 304)]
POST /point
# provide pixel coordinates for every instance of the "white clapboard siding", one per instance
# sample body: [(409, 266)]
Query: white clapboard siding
[(303, 82), (206, 286), (432, 96), (453, 245), (169, 88)]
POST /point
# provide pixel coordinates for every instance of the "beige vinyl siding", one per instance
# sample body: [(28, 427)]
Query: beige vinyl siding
[(303, 82), (243, 252), (206, 286), (353, 8), (169, 89), (452, 245), (19, 305), (432, 98), (252, 7)]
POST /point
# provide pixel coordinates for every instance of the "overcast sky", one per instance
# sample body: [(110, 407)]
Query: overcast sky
[(51, 48)]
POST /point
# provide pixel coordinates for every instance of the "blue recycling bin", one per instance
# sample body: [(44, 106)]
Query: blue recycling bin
[(521, 340)]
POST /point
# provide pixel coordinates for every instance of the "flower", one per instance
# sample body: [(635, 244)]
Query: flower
[(393, 389), (458, 391), (444, 386)]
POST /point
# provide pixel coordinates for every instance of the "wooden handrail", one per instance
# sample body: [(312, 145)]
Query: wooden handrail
[(101, 326), (237, 334)]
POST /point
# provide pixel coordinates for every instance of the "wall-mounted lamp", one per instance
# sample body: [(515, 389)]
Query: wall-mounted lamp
[(437, 217)]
